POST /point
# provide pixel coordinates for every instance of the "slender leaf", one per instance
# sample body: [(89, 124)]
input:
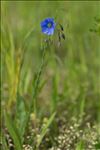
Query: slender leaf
[(44, 130), (13, 132)]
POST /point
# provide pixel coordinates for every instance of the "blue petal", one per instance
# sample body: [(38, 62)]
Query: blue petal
[(48, 31), (51, 31), (44, 25), (45, 30), (50, 19)]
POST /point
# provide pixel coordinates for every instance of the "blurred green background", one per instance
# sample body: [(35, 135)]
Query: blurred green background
[(70, 81), (75, 63)]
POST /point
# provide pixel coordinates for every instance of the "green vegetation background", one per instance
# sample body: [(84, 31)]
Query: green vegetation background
[(72, 74)]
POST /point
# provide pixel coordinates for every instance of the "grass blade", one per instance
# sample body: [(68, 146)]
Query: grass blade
[(13, 132), (4, 145), (79, 146), (44, 130)]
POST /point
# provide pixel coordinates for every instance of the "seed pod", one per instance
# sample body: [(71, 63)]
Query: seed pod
[(63, 36), (61, 27), (59, 37)]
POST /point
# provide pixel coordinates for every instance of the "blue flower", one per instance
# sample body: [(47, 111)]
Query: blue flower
[(48, 26)]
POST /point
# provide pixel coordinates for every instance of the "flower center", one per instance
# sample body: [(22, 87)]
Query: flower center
[(49, 25)]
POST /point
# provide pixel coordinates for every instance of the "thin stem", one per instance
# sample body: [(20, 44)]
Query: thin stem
[(33, 104), (37, 82)]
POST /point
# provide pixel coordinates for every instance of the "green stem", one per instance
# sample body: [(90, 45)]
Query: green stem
[(33, 105)]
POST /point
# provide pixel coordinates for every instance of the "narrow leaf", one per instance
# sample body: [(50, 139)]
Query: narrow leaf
[(44, 130), (13, 132)]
